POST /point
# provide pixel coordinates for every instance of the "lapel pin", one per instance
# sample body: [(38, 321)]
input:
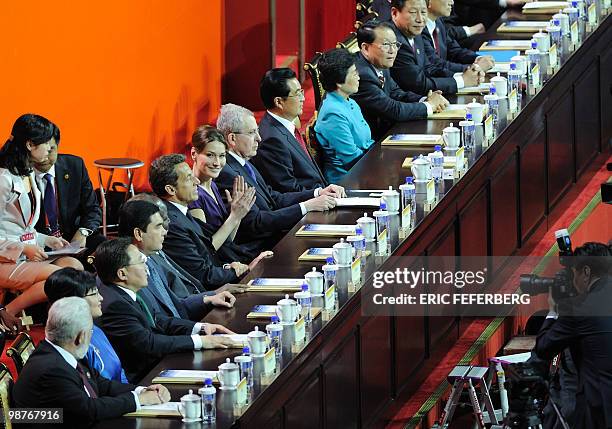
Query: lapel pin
[(66, 176), (418, 51)]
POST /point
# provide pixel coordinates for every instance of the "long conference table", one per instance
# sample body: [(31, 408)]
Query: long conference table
[(355, 371)]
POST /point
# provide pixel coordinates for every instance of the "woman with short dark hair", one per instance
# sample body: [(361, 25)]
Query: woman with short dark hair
[(100, 355), (24, 265), (341, 129)]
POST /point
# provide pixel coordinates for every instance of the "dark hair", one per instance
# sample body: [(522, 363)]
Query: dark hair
[(69, 282), (14, 155), (365, 33), (333, 67), (111, 255), (162, 172), (398, 4), (597, 256), (274, 84), (135, 214), (205, 134)]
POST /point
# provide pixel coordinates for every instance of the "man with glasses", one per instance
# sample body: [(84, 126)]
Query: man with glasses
[(382, 102), (282, 157), (139, 336), (412, 69), (273, 212), (442, 48)]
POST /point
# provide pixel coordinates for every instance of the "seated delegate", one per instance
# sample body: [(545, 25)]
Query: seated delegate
[(100, 355), (24, 265), (342, 131)]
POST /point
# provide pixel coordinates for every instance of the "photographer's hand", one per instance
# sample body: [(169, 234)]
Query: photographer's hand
[(552, 306)]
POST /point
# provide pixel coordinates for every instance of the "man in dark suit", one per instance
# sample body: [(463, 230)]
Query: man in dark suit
[(584, 325), (273, 212), (57, 376), (140, 336), (412, 69), (382, 102), (141, 221), (70, 207), (471, 12), (442, 48), (282, 157)]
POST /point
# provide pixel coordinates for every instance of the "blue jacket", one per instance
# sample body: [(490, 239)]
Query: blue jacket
[(343, 133)]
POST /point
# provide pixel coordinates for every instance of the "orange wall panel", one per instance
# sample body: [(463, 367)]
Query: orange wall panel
[(120, 78)]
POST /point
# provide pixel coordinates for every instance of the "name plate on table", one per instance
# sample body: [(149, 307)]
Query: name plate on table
[(299, 331), (357, 202), (553, 57), (412, 140), (241, 392), (275, 285), (460, 159), (324, 230), (356, 270), (382, 242), (184, 376), (330, 298), (506, 45), (406, 214), (574, 32), (452, 111), (262, 312), (316, 254), (592, 14), (269, 361), (488, 129), (169, 409), (431, 192), (513, 101), (522, 26), (535, 77)]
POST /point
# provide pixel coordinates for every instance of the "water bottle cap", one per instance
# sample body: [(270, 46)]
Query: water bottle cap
[(410, 179), (358, 231), (574, 4), (512, 66), (275, 319), (208, 382), (246, 350), (534, 44), (304, 287), (556, 22), (365, 215), (383, 205), (468, 117), (257, 327), (492, 90), (227, 360), (329, 261), (437, 147)]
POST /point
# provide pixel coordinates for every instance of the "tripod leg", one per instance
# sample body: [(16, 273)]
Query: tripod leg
[(475, 405)]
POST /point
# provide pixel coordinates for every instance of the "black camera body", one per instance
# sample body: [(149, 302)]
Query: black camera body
[(561, 285), (527, 386)]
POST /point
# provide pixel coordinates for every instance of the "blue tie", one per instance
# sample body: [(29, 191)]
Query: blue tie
[(156, 282), (50, 204), (249, 168)]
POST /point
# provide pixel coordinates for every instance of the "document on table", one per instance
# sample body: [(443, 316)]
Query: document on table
[(325, 230), (357, 202), (184, 376), (169, 409), (413, 139), (71, 249), (522, 26), (506, 45), (452, 111), (275, 284)]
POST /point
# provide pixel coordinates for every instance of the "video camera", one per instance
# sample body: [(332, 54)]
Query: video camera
[(561, 284), (527, 386)]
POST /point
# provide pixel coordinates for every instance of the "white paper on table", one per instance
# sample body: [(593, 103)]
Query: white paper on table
[(236, 338), (71, 249), (500, 68), (168, 406), (358, 202), (546, 5)]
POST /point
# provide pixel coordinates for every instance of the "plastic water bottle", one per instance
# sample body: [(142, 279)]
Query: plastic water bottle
[(382, 223), (275, 334), (533, 56), (492, 101), (556, 37), (208, 393), (360, 245), (245, 364), (468, 132), (514, 82), (329, 272), (305, 301), (408, 192), (437, 162)]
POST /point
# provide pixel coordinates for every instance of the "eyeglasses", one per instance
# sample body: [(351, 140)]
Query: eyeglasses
[(298, 93), (142, 260), (252, 133), (94, 292), (389, 46)]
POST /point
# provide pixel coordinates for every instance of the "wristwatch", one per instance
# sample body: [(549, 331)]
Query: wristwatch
[(85, 232)]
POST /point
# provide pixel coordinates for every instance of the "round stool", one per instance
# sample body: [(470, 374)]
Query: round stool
[(110, 164)]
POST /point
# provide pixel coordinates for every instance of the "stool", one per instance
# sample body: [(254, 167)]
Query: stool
[(110, 164)]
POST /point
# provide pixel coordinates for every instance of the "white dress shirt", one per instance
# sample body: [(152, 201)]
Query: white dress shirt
[(40, 179)]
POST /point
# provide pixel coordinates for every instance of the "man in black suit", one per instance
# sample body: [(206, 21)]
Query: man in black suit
[(382, 102), (471, 12), (140, 336), (141, 221), (442, 48), (273, 212), (57, 376), (282, 157), (70, 207), (412, 69), (584, 325)]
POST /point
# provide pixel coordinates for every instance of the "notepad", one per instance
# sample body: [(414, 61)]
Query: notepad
[(262, 312), (412, 140), (506, 45), (73, 249), (501, 56), (522, 26), (544, 7), (483, 88), (275, 285), (169, 409), (238, 340), (325, 230), (500, 67), (316, 254), (184, 376), (358, 202), (452, 111)]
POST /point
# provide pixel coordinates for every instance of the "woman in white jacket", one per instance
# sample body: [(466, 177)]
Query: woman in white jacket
[(24, 265)]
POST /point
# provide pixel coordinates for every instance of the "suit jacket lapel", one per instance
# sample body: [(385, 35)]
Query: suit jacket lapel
[(61, 188), (242, 171)]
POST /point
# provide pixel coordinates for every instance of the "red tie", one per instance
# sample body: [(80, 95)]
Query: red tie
[(88, 387), (300, 140), (435, 40)]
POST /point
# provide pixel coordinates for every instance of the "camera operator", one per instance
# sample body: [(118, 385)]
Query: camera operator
[(584, 325)]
